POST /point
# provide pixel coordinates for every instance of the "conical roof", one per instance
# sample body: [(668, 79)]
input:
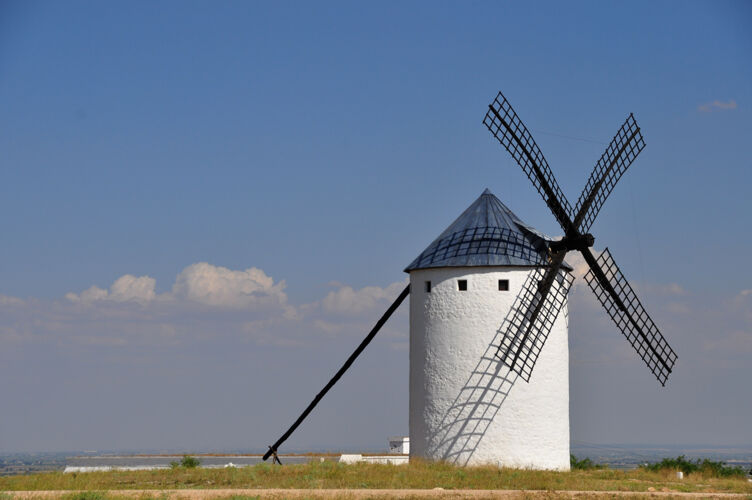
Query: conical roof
[(486, 234)]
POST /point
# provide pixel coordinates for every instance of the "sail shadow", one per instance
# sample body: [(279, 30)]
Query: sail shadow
[(466, 421)]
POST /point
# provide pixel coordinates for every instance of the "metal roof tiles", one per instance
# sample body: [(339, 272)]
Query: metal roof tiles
[(486, 234)]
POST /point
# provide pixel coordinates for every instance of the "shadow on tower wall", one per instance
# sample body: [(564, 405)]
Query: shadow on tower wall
[(466, 422)]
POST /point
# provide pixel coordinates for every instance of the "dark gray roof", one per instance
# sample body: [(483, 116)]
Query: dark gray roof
[(486, 234)]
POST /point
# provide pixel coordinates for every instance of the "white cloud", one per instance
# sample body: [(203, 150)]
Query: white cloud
[(127, 288), (219, 286), (238, 305), (7, 300), (132, 288), (717, 105), (201, 282), (348, 301), (578, 264), (89, 295), (246, 305)]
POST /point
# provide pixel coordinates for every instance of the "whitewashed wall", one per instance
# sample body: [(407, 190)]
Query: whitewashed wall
[(467, 408)]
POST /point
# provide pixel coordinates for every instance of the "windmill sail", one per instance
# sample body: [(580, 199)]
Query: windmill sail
[(502, 121), (540, 306), (533, 314), (620, 301), (619, 155)]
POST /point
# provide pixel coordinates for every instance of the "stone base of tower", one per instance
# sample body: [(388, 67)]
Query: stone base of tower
[(466, 407)]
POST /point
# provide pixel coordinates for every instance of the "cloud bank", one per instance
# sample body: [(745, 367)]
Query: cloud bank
[(228, 347), (213, 302), (204, 302)]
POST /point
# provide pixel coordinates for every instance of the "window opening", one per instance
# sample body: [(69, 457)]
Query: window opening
[(462, 285), (503, 285), (428, 287)]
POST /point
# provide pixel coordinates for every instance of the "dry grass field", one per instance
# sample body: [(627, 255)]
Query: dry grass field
[(333, 480)]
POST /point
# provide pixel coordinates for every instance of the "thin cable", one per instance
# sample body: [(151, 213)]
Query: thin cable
[(637, 233), (570, 137)]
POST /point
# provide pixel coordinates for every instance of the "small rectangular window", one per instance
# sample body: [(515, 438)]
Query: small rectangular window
[(503, 285), (462, 285), (428, 287)]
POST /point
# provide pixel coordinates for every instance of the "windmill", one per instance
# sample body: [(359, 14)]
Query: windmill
[(490, 268)]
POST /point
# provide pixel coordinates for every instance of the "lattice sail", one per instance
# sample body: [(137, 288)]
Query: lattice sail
[(619, 155), (515, 343), (506, 126), (480, 240), (632, 319)]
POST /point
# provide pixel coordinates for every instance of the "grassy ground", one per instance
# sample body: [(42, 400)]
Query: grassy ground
[(364, 495), (332, 475)]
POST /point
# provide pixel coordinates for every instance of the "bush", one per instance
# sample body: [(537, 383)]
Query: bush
[(189, 462), (706, 467), (584, 464)]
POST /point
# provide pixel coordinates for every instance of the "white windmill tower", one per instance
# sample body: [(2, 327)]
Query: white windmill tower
[(466, 407), (487, 295)]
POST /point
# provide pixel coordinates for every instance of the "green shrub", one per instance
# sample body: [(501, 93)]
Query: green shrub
[(706, 467), (584, 464), (189, 462)]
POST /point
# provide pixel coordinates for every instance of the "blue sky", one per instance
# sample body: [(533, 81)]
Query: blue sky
[(325, 145)]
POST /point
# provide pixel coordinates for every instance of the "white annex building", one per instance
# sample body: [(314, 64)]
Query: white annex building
[(466, 407)]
